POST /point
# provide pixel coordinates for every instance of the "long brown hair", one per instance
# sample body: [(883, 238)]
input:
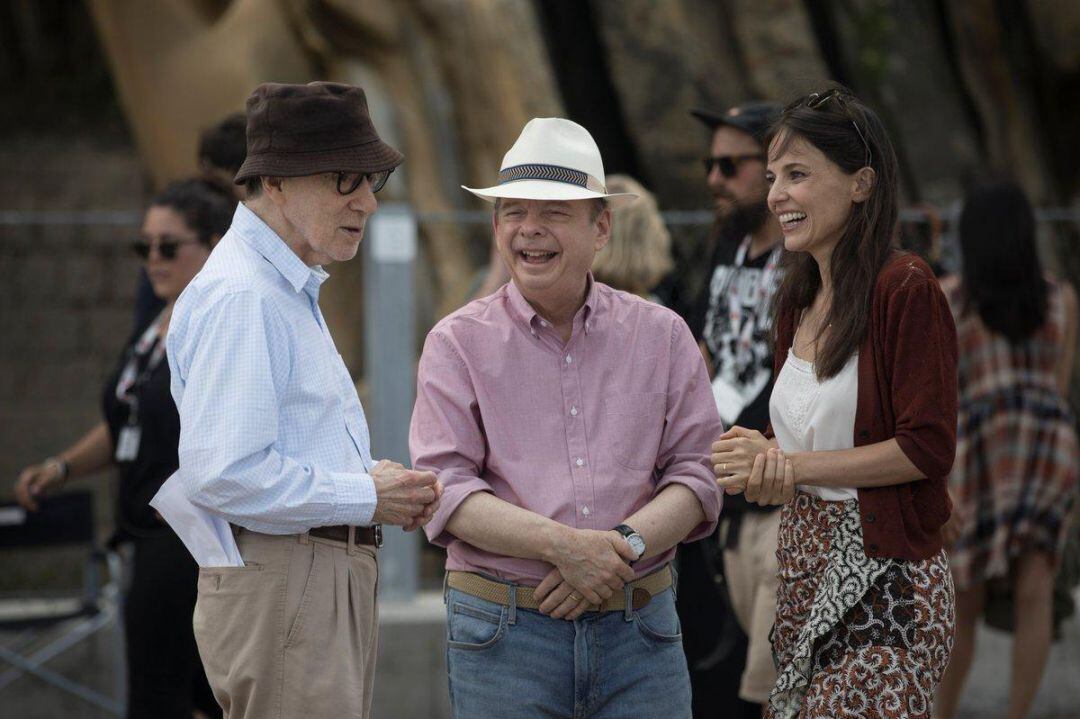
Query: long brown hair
[(852, 136)]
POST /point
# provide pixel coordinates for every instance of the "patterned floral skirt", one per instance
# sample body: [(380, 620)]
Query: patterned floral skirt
[(854, 636)]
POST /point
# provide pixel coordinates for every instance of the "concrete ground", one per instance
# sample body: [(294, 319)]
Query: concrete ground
[(411, 676)]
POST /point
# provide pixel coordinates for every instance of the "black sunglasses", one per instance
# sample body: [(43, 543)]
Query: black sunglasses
[(728, 164), (347, 182), (167, 247), (816, 99)]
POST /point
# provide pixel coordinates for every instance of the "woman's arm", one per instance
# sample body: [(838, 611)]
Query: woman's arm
[(873, 465), (93, 452)]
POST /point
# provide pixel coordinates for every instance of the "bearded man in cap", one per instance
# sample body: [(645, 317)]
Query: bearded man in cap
[(734, 316), (273, 438), (570, 426)]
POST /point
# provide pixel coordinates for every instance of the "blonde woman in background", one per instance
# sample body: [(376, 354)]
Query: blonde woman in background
[(638, 255)]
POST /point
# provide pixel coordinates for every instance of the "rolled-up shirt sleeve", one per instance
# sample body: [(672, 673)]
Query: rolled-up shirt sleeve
[(691, 425), (230, 371), (446, 433)]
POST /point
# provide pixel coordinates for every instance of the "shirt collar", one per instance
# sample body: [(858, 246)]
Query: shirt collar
[(267, 243), (529, 316)]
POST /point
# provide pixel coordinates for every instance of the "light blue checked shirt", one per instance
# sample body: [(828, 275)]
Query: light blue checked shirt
[(272, 434)]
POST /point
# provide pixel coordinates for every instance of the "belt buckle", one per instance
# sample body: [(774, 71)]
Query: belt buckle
[(378, 536)]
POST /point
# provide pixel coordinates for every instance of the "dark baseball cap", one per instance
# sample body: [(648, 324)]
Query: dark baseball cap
[(753, 118)]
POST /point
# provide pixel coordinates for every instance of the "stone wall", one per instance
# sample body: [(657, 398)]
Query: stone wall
[(66, 291)]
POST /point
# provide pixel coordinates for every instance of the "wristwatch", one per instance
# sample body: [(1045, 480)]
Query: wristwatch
[(633, 539)]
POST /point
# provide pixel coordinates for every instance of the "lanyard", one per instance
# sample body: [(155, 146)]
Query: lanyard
[(150, 343), (760, 293)]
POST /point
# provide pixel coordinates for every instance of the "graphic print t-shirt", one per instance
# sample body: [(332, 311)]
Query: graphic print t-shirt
[(737, 337)]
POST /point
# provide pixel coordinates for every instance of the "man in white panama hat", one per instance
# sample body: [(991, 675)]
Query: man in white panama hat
[(570, 425)]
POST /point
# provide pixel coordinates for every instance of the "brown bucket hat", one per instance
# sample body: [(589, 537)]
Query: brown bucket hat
[(295, 130)]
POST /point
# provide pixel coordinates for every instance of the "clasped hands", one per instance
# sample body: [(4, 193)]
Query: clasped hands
[(746, 462), (590, 566), (407, 498)]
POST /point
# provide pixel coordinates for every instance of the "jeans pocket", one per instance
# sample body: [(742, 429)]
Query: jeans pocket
[(474, 627), (658, 622)]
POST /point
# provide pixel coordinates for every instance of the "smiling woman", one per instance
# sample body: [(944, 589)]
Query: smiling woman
[(864, 406)]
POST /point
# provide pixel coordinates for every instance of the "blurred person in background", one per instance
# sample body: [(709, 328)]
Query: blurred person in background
[(222, 148), (139, 435), (638, 253), (1015, 477), (733, 320), (864, 416)]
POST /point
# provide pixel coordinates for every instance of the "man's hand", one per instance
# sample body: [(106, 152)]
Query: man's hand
[(429, 511), (405, 497), (594, 564), (560, 600), (35, 482)]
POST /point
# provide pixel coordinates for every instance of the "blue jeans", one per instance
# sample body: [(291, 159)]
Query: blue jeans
[(506, 661)]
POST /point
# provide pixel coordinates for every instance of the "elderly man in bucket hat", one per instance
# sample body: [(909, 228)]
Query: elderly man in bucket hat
[(570, 426), (273, 438)]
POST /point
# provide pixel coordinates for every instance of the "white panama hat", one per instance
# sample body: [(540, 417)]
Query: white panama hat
[(552, 159)]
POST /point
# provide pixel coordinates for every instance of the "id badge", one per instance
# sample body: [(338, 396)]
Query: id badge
[(127, 444)]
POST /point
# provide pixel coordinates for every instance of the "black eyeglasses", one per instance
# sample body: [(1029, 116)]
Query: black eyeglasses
[(347, 182), (166, 246), (728, 164), (816, 99)]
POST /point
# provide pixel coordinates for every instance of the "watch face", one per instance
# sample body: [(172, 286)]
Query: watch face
[(636, 543)]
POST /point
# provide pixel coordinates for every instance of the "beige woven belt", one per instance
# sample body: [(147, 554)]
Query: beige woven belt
[(642, 590)]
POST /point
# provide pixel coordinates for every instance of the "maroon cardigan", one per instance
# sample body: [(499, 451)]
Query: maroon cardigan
[(907, 390)]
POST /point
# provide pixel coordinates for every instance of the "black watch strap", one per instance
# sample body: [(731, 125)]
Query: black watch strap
[(625, 530)]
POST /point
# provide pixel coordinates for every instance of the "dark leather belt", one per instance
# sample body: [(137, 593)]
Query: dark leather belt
[(363, 535)]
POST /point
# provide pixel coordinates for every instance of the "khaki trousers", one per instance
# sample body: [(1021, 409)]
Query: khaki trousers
[(293, 633), (753, 577)]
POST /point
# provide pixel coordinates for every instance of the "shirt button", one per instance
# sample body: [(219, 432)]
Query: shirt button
[(586, 511), (870, 518), (579, 461), (573, 411), (569, 359)]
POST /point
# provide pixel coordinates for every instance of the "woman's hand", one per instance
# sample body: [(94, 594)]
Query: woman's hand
[(36, 481), (772, 479), (733, 457)]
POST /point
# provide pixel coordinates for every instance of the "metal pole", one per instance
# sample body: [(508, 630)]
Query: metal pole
[(390, 319)]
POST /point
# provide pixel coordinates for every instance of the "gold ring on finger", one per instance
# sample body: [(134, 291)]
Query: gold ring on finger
[(723, 467), (575, 597)]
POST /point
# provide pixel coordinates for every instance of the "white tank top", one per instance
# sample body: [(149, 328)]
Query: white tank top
[(808, 415)]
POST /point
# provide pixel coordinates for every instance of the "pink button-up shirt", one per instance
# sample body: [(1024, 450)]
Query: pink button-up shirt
[(585, 432)]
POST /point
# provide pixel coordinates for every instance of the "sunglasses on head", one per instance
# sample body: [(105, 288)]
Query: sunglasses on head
[(167, 246), (816, 99), (728, 164), (347, 182)]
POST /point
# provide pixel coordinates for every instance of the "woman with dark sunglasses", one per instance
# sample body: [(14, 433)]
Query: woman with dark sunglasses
[(862, 433), (139, 435)]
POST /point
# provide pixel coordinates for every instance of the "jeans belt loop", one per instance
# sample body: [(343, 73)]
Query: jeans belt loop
[(513, 605), (350, 541), (628, 601)]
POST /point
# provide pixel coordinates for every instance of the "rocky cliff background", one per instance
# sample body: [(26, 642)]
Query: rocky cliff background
[(103, 102)]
